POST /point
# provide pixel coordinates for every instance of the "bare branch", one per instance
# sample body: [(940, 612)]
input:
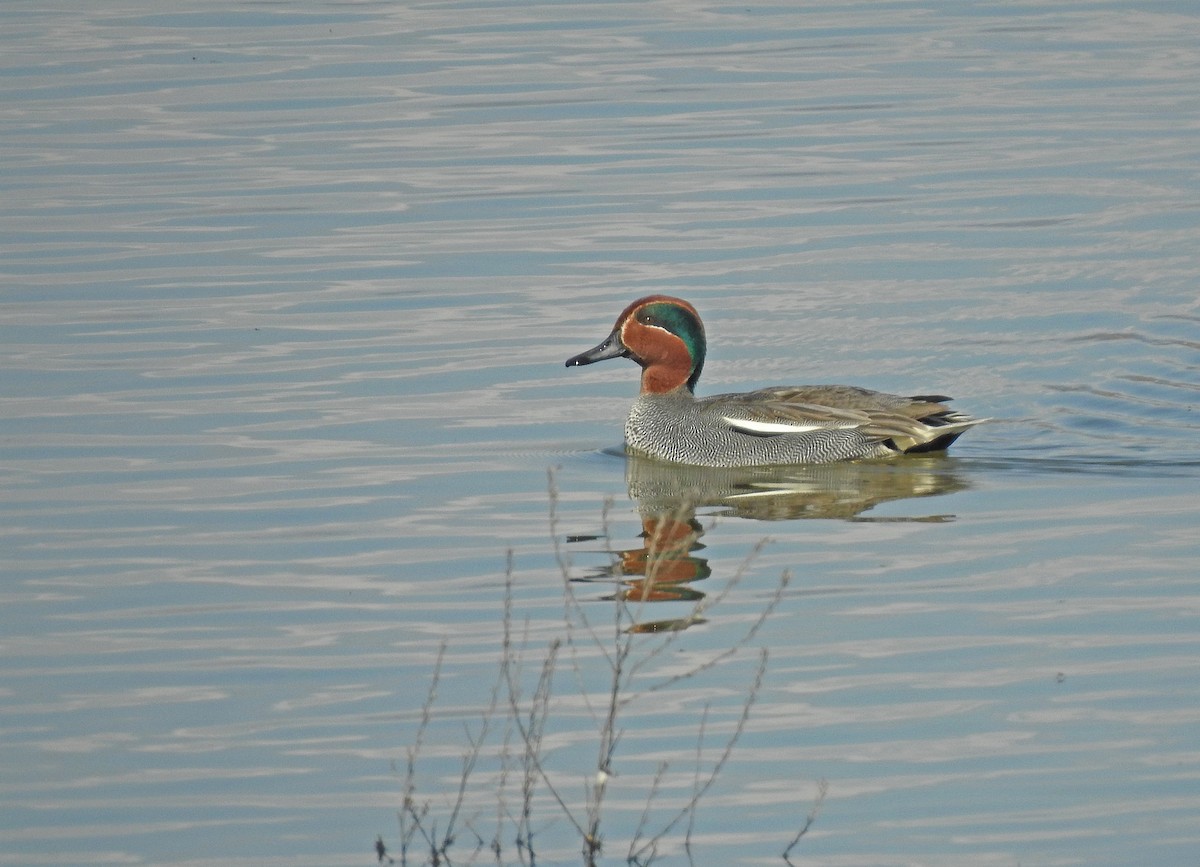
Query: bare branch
[(475, 743), (751, 697), (659, 773), (733, 649), (531, 730), (411, 818), (822, 789)]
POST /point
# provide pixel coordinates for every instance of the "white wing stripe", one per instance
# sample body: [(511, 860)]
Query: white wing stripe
[(775, 427)]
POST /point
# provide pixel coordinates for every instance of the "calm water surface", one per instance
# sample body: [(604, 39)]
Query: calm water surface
[(287, 294)]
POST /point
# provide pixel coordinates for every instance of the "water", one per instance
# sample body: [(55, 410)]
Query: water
[(286, 299)]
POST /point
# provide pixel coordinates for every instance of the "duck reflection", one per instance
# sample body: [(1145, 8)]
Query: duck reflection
[(842, 490), (667, 564)]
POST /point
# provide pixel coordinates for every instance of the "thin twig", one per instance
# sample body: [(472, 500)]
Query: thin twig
[(471, 757), (531, 736), (570, 600), (655, 785), (409, 809), (751, 697), (822, 789), (703, 605), (784, 578), (696, 785)]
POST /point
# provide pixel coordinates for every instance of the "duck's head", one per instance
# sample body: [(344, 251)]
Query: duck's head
[(662, 334)]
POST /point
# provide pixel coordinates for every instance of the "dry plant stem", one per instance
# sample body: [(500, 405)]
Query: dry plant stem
[(471, 757), (822, 789), (570, 600), (502, 808), (696, 784), (475, 742), (622, 675), (616, 657), (571, 605), (636, 853), (659, 773), (684, 510), (704, 604), (610, 735), (511, 662), (622, 645), (530, 728), (412, 818)]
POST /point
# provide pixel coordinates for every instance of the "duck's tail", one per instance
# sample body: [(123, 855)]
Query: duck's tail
[(933, 432)]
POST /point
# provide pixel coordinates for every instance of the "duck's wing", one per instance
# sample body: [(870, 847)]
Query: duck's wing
[(916, 423)]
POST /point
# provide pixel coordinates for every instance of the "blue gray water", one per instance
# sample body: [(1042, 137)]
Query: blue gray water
[(286, 298)]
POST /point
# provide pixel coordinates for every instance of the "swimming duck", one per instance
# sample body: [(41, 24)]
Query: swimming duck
[(805, 424)]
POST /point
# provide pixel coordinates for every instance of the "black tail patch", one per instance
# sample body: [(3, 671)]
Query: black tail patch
[(936, 445)]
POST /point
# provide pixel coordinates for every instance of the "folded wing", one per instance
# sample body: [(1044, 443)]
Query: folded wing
[(916, 423)]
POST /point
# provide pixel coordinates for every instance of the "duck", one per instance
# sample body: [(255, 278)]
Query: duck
[(779, 425)]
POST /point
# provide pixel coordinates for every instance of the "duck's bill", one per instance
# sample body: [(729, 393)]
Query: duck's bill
[(612, 347)]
